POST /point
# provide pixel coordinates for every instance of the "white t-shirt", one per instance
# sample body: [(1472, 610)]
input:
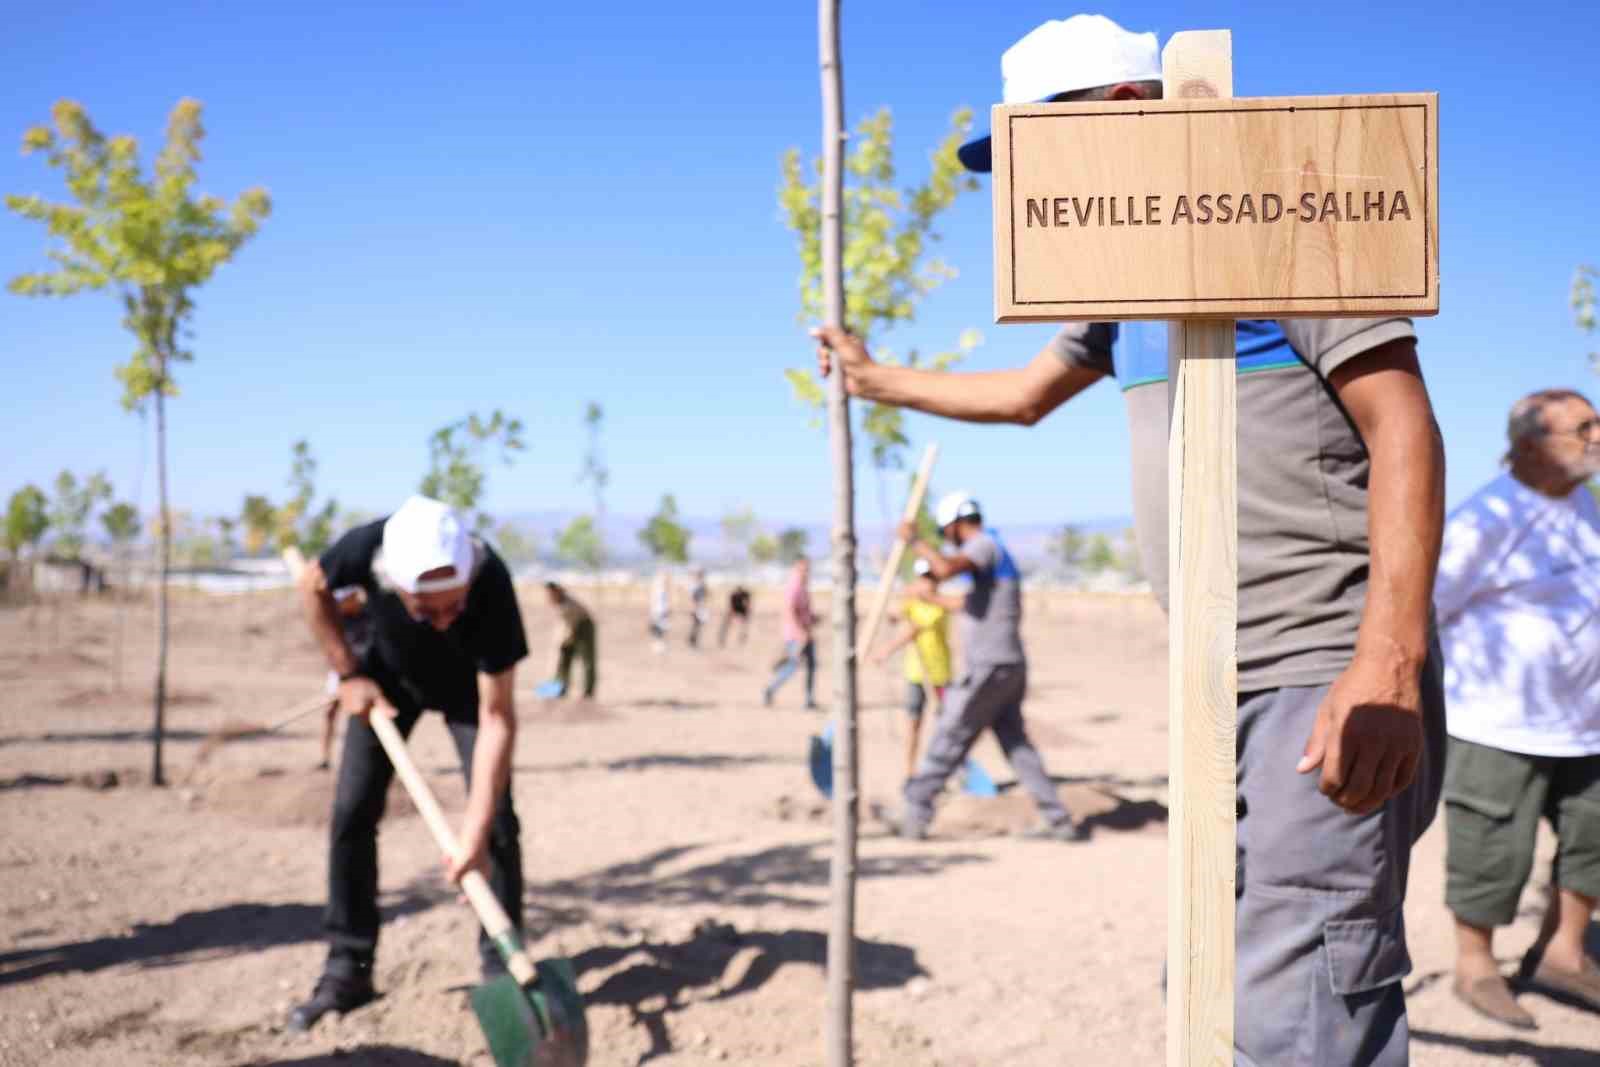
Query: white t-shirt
[(1518, 600)]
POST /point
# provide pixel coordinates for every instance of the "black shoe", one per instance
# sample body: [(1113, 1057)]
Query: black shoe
[(333, 993)]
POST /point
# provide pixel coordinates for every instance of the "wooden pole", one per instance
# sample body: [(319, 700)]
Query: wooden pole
[(846, 783), (891, 569), (1202, 495)]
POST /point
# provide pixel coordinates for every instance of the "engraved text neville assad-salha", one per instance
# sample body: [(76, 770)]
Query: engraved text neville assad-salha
[(1203, 209)]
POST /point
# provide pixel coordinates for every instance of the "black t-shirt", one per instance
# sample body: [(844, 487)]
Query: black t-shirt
[(438, 670), (357, 631), (739, 601)]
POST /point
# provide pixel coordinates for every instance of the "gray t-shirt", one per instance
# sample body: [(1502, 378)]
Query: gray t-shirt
[(990, 624), (1303, 551)]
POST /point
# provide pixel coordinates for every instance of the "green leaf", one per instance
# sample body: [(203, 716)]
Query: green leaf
[(146, 235), (888, 231)]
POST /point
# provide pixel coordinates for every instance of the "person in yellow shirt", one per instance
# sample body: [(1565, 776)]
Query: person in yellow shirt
[(926, 640)]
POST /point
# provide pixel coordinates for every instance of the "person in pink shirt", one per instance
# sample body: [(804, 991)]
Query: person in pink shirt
[(798, 645)]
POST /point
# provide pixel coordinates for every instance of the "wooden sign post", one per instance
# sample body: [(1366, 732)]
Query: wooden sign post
[(1201, 209)]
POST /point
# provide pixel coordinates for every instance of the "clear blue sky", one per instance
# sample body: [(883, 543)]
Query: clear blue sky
[(498, 206)]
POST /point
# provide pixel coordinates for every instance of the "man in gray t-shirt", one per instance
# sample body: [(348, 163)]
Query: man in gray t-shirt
[(986, 694), (1340, 515), (989, 627), (1303, 476), (1341, 711)]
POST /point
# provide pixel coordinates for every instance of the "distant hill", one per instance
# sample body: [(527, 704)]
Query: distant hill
[(1027, 541)]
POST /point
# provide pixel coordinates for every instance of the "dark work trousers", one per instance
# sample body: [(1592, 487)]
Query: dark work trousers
[(580, 646), (1320, 929), (988, 698), (351, 919)]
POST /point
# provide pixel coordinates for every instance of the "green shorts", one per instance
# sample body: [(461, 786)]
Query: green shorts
[(1493, 803)]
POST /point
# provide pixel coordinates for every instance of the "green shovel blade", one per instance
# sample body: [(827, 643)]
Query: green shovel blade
[(539, 1026)]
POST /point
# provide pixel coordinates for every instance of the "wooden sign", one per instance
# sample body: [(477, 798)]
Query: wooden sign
[(1209, 207)]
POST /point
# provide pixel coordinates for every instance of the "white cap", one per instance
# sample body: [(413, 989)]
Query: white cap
[(1082, 52), (425, 535), (953, 506), (921, 567)]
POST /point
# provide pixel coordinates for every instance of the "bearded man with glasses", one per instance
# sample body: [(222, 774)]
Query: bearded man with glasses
[(1518, 602)]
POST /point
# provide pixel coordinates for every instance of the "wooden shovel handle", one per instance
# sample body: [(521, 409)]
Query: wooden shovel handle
[(496, 923), (880, 601)]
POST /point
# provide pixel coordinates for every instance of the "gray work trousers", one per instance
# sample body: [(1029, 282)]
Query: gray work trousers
[(987, 698), (1320, 935)]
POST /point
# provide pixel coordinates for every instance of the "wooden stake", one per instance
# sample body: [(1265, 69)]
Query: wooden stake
[(891, 569), (1202, 670), (846, 777)]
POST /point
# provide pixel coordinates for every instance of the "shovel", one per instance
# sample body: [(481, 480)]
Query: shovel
[(532, 1017)]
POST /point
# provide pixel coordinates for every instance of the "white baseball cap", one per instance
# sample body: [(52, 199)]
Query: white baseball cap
[(954, 506), (426, 535), (921, 567), (1065, 55)]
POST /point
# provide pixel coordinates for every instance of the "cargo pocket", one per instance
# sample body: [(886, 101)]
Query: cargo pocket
[(1494, 809), (1488, 836), (1358, 1017), (1484, 865), (1366, 954)]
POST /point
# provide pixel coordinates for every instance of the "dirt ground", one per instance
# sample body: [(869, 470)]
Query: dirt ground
[(676, 852)]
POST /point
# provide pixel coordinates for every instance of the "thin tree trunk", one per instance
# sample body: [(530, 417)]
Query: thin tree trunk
[(165, 550), (119, 594), (846, 798)]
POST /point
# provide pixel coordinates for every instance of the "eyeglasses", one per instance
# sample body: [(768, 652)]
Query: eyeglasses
[(1586, 429)]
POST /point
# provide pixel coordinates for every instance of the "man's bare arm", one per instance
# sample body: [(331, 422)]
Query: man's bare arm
[(1023, 395), (322, 614), (941, 566), (1384, 393), (491, 766), (901, 641), (1367, 740)]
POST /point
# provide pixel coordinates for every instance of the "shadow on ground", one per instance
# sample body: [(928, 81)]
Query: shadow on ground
[(719, 963), (1506, 1047), (673, 705), (1127, 815), (364, 1055), (224, 931), (113, 737), (753, 879), (32, 781)]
